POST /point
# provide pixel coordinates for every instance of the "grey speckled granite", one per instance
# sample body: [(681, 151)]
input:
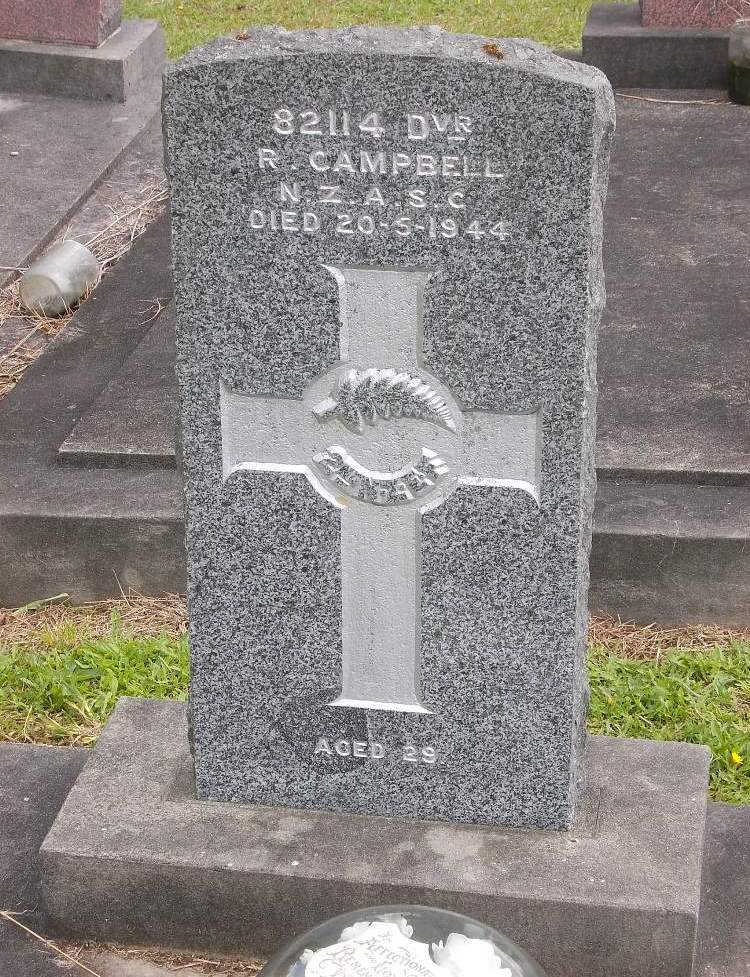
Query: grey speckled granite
[(469, 260)]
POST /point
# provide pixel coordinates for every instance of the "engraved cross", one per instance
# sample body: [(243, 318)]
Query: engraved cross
[(384, 441)]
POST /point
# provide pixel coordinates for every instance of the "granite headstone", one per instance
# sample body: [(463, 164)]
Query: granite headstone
[(387, 257)]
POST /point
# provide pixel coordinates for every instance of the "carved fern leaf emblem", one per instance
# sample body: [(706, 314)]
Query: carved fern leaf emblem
[(364, 396)]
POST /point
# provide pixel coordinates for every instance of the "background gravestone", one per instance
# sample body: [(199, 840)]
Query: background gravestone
[(670, 44), (79, 49), (86, 22), (388, 282), (715, 14)]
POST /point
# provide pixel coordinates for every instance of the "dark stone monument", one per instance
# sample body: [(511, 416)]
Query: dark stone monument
[(387, 302), (77, 49), (642, 46)]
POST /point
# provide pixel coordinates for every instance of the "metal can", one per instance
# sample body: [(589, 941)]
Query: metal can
[(55, 282)]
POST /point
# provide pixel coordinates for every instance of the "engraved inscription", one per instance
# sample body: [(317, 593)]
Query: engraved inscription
[(380, 321), (345, 748), (363, 396), (381, 488), (380, 949), (363, 750), (423, 187)]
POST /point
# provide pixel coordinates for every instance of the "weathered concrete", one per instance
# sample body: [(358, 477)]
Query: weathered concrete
[(98, 530), (674, 340), (134, 419), (53, 154), (119, 68), (724, 934), (673, 553), (134, 857), (139, 168), (34, 782), (672, 529), (45, 775), (634, 56)]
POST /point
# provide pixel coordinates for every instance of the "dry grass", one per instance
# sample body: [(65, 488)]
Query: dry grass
[(25, 351), (628, 640), (172, 961), (32, 625), (134, 213), (86, 956)]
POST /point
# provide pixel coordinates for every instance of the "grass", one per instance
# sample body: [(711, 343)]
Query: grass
[(694, 697), (131, 959), (64, 695), (63, 668), (188, 23)]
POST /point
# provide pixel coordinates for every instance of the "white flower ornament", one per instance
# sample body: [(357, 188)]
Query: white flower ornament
[(462, 956)]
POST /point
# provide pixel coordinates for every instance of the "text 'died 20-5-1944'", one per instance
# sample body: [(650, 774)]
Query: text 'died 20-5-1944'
[(414, 190)]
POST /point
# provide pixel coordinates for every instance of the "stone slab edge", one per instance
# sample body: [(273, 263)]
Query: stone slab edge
[(133, 857), (116, 69), (81, 531), (634, 56)]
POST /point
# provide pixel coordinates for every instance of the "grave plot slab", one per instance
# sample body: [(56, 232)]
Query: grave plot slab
[(673, 424), (88, 531), (634, 56), (35, 781), (673, 340), (132, 423), (53, 153), (723, 933), (134, 857)]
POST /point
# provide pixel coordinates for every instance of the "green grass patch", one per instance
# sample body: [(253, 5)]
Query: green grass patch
[(698, 696), (61, 688), (64, 694), (188, 23)]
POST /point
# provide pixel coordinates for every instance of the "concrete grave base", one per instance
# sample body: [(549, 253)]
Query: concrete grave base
[(134, 857), (133, 56), (634, 56)]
